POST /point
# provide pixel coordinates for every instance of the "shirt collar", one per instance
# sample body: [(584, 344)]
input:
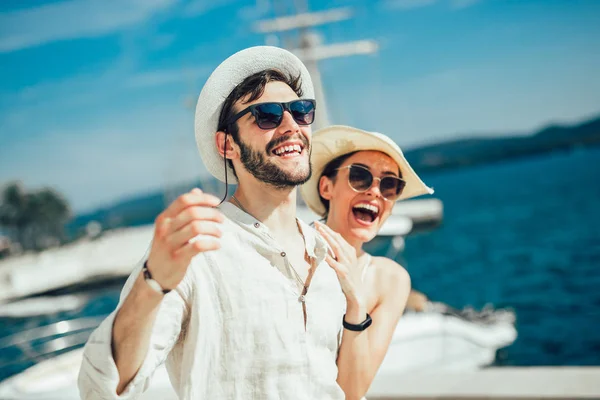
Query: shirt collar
[(316, 247), (237, 215)]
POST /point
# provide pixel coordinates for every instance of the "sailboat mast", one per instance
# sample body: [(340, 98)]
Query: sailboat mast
[(310, 47)]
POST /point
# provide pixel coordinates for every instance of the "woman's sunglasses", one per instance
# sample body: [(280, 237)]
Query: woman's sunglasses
[(361, 179), (270, 115)]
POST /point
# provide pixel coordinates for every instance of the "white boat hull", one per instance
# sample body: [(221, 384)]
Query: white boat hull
[(114, 254), (437, 342), (422, 342)]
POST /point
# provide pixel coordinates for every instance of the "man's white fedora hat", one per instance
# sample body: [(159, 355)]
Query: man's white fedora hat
[(221, 83), (337, 140)]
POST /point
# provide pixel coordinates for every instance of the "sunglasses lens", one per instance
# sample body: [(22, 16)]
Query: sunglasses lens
[(360, 179), (303, 111), (391, 188), (268, 115)]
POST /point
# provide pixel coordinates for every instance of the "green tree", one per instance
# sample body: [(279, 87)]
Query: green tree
[(12, 211), (35, 219)]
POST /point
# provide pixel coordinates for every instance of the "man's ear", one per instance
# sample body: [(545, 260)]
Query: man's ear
[(326, 188), (223, 145)]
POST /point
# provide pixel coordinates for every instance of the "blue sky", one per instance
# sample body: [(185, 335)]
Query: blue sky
[(95, 94)]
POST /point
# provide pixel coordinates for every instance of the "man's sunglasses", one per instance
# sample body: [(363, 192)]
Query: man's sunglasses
[(361, 179), (270, 115)]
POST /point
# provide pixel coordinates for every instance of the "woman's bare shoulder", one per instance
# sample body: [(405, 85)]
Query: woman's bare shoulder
[(390, 275)]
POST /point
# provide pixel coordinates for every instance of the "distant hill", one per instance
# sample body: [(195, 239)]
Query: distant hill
[(473, 151), (139, 210), (135, 211), (143, 209)]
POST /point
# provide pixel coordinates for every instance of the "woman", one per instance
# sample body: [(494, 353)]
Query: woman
[(357, 177)]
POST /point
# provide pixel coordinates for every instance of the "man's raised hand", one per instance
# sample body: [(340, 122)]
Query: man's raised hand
[(190, 225)]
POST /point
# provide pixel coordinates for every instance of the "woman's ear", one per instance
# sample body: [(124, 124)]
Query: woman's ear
[(224, 142), (326, 188)]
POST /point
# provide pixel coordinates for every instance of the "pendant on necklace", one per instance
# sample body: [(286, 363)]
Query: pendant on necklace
[(301, 299)]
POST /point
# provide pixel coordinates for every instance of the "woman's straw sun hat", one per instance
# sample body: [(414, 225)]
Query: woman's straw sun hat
[(337, 140)]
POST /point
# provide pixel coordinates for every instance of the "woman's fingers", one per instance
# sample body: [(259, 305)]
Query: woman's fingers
[(332, 263), (340, 240), (332, 243), (334, 235), (339, 268), (342, 250)]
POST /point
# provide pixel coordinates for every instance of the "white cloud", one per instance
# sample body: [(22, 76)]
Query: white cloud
[(487, 99), (73, 19), (409, 4), (412, 4), (198, 7), (167, 76), (66, 95), (72, 136), (91, 89), (252, 13), (143, 149), (162, 41)]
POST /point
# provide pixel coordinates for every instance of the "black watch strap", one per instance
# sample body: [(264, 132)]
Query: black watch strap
[(357, 327)]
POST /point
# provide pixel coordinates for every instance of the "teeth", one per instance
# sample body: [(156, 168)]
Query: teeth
[(288, 149), (369, 207)]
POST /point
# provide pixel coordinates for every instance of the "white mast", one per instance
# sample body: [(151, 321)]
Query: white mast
[(310, 48)]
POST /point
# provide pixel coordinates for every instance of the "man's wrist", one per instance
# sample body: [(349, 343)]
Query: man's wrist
[(151, 282), (144, 293)]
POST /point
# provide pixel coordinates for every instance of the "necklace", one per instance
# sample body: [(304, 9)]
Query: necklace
[(302, 297), (240, 206)]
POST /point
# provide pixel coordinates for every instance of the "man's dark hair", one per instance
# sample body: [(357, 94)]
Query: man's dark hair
[(252, 87)]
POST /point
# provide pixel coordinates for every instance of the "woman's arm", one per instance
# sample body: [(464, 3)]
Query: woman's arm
[(361, 353), (417, 301)]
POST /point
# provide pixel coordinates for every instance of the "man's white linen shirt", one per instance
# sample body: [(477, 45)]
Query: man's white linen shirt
[(234, 327)]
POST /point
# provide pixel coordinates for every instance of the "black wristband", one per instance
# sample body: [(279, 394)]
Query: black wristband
[(148, 278), (357, 328)]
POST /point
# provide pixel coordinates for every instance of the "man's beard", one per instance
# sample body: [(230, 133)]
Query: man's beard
[(264, 170)]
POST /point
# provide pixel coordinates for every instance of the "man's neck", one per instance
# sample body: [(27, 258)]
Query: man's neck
[(276, 208)]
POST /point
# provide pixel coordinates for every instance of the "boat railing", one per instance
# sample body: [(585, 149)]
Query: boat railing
[(37, 344)]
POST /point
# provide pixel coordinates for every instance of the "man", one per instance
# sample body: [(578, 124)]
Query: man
[(238, 301)]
